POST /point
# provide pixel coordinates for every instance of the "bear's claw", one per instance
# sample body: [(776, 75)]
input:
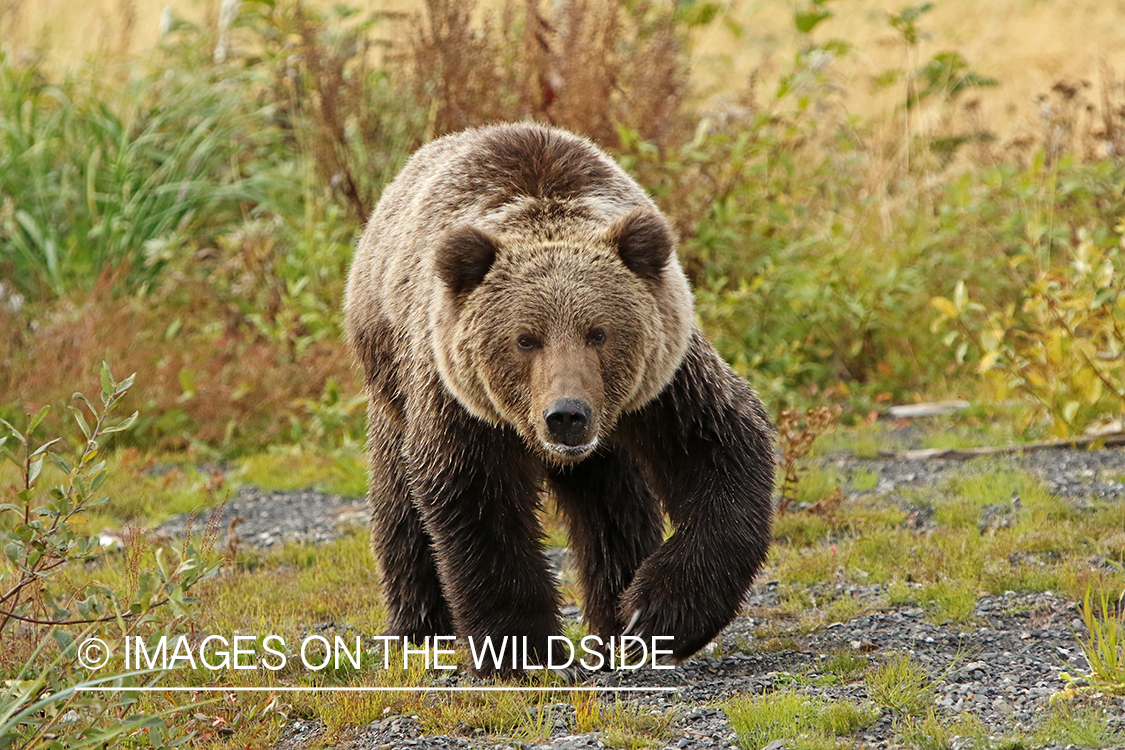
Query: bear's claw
[(632, 623)]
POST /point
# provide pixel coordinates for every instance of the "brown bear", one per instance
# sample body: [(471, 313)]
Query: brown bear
[(524, 325)]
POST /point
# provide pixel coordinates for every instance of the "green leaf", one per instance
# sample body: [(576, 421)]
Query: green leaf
[(33, 470), (125, 384), (124, 424), (19, 436), (78, 417), (910, 14), (64, 640), (806, 22), (82, 397), (107, 382), (43, 448), (59, 462), (37, 419)]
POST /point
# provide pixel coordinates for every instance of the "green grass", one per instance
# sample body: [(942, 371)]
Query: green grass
[(292, 588), (340, 472), (144, 491), (1104, 642), (631, 726), (808, 721), (846, 665), (933, 732), (951, 600), (901, 685), (108, 177), (866, 542), (1080, 724)]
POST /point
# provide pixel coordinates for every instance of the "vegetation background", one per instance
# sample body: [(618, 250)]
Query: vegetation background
[(878, 203)]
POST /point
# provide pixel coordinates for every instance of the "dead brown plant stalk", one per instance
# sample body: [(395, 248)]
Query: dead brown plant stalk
[(796, 433), (588, 67)]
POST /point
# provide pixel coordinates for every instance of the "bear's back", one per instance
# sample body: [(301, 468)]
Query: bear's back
[(503, 164)]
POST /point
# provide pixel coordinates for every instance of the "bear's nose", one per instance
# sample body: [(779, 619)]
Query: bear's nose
[(567, 420)]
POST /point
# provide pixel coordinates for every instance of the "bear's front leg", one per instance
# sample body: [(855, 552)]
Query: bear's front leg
[(707, 449), (416, 607), (615, 524), (478, 491)]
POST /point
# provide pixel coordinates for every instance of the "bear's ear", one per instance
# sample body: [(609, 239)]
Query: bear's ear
[(464, 257), (644, 241)]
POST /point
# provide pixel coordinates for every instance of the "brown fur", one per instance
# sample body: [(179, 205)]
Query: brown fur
[(517, 306)]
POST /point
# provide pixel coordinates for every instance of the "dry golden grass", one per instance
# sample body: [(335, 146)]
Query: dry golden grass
[(1027, 45)]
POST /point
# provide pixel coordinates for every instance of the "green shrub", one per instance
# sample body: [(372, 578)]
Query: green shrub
[(55, 608), (1061, 340)]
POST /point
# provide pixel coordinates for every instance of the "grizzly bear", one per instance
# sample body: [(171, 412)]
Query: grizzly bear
[(525, 326)]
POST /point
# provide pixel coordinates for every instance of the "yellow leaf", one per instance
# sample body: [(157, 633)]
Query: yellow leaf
[(988, 361), (1055, 346), (1083, 378), (1094, 391), (944, 306)]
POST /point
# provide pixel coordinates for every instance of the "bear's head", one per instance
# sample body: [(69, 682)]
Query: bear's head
[(559, 331)]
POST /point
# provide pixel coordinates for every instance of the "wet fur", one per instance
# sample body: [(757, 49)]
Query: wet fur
[(457, 469)]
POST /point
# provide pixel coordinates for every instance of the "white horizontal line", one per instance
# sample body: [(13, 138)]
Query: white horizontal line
[(364, 689)]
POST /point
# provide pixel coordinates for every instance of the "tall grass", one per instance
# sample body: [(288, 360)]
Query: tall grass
[(96, 180)]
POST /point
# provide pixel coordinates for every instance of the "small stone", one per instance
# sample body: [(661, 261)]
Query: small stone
[(1002, 706)]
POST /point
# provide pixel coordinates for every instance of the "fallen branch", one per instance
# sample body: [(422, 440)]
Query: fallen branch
[(1112, 439), (930, 409)]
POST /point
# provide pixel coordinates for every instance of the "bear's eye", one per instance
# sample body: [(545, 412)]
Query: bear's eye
[(596, 337), (526, 342)]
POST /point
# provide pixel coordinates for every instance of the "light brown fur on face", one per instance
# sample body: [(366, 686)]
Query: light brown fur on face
[(569, 369), (556, 255)]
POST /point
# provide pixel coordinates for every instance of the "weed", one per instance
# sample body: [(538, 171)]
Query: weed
[(631, 726), (1104, 643), (1081, 725), (864, 480), (340, 472), (932, 732), (845, 664), (102, 187), (952, 600), (786, 714), (796, 437), (801, 529), (596, 69), (1058, 347), (901, 685), (925, 733)]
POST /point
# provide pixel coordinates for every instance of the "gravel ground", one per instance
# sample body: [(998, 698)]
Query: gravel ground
[(1002, 670)]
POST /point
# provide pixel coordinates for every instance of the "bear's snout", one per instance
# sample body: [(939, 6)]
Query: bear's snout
[(568, 421)]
